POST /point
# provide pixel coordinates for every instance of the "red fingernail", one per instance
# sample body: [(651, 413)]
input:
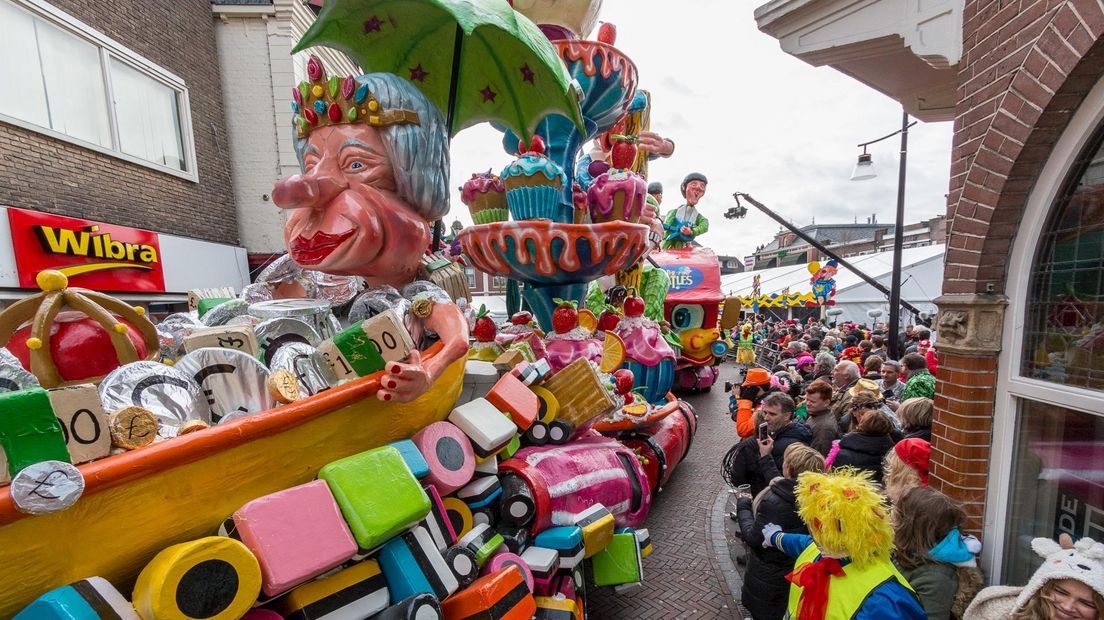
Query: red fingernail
[(390, 385), (395, 369)]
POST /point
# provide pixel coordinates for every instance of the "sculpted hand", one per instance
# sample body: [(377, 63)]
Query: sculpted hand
[(404, 381), (685, 230), (656, 144)]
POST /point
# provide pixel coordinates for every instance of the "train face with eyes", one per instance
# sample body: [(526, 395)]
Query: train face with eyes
[(692, 308)]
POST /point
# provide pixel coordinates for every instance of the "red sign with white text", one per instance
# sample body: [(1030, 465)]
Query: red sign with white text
[(93, 255)]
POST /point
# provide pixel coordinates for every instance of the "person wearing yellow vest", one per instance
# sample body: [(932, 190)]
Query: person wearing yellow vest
[(843, 570)]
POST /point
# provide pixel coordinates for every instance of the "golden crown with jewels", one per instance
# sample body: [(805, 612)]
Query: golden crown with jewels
[(322, 101)]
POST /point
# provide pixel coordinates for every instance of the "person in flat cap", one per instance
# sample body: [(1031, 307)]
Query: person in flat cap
[(655, 190), (685, 223)]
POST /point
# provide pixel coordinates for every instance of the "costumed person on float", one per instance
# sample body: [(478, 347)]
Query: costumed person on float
[(823, 282), (745, 350), (375, 165), (685, 223), (843, 570)]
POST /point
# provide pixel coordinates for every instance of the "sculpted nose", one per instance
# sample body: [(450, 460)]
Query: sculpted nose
[(305, 191)]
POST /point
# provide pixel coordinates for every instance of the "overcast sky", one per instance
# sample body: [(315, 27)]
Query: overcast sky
[(754, 119)]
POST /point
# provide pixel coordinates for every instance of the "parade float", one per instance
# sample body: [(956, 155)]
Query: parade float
[(320, 445)]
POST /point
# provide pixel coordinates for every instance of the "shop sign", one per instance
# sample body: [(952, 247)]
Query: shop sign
[(93, 255)]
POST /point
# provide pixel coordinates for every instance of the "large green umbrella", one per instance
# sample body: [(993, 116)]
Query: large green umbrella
[(477, 60)]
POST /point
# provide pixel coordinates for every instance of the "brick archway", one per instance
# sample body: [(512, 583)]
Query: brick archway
[(1026, 69)]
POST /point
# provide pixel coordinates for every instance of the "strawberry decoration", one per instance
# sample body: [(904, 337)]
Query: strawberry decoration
[(607, 33), (609, 319), (566, 316), (634, 305), (485, 329), (623, 152), (623, 384), (521, 318), (536, 145)]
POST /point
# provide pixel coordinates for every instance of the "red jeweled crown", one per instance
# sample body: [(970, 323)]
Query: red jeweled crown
[(321, 101)]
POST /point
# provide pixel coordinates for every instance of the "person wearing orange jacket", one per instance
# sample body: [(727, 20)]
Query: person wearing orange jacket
[(744, 399)]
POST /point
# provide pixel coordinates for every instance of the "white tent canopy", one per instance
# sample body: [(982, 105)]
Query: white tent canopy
[(921, 282)]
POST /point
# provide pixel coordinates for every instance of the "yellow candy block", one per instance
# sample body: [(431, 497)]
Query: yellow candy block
[(215, 578)]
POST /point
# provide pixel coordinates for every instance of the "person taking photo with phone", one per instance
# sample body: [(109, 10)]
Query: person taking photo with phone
[(757, 459)]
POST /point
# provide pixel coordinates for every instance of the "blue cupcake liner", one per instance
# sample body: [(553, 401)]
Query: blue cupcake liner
[(535, 202), (657, 380)]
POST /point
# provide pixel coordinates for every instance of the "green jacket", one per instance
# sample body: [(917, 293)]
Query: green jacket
[(697, 229), (936, 584), (920, 384)]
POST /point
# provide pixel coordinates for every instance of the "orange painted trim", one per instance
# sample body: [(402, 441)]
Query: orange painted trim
[(119, 469), (625, 425)]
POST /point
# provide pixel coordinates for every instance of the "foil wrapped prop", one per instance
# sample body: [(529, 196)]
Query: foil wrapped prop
[(13, 377), (284, 273), (306, 364), (172, 395), (313, 312), (274, 334), (231, 381)]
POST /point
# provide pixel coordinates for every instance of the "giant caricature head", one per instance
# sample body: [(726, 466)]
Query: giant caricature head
[(374, 158)]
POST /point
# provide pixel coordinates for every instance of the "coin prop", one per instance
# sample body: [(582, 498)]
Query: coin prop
[(173, 396), (304, 362), (224, 312), (230, 379), (46, 486), (132, 427), (376, 300), (314, 312), (275, 333), (13, 377), (192, 426), (283, 386), (171, 332)]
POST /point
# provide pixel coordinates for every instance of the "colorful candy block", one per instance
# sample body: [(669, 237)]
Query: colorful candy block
[(378, 495), (482, 541), (517, 506), (498, 596), (459, 515), (215, 578), (479, 378), (83, 422), (559, 432), (506, 558), (580, 393), (511, 448), (481, 491), (297, 534), (555, 608), (357, 591), (596, 523), (619, 563), (486, 427), (513, 397), (238, 337), (508, 359), (29, 432), (364, 347), (463, 564), (88, 599), (487, 515), (437, 522), (413, 457), (516, 539), (417, 607), (449, 455), (643, 539), (549, 406), (412, 565), (543, 563), (567, 540), (487, 466), (537, 435)]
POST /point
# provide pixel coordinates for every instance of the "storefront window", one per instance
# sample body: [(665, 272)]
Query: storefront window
[(1064, 327), (1057, 482)]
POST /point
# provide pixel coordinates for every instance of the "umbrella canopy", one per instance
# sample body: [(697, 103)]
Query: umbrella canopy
[(477, 60)]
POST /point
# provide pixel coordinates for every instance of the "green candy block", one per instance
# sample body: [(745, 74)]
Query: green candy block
[(206, 304), (378, 495), (29, 431), (618, 563)]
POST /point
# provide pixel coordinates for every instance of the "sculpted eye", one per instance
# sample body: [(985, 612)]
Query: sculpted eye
[(357, 165)]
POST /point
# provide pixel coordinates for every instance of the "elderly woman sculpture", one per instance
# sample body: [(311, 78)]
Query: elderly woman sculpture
[(374, 158)]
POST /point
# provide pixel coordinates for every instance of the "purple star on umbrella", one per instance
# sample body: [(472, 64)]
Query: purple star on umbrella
[(418, 74), (488, 94), (372, 25), (527, 74)]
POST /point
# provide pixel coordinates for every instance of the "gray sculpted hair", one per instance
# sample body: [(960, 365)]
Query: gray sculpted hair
[(825, 362), (851, 368), (419, 153)]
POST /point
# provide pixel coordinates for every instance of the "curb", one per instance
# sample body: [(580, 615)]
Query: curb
[(718, 538)]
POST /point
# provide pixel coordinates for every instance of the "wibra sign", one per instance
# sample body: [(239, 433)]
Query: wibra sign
[(94, 255)]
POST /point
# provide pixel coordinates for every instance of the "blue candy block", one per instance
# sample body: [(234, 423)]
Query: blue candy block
[(88, 599), (565, 537), (413, 457), (412, 564)]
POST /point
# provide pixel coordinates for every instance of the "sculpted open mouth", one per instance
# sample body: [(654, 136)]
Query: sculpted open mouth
[(314, 249)]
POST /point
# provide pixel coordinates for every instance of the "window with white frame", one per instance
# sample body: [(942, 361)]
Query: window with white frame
[(471, 277), (68, 80), (498, 283)]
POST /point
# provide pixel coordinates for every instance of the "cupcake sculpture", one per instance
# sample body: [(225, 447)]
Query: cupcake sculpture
[(535, 185), (618, 193), (647, 354), (485, 196), (568, 340)]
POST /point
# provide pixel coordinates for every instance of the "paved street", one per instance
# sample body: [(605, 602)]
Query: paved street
[(690, 572)]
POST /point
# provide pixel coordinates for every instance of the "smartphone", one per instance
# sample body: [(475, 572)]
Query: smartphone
[(763, 432)]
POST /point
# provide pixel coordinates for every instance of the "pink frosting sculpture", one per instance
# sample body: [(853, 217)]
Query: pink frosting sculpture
[(643, 341), (617, 195), (485, 195), (562, 349)]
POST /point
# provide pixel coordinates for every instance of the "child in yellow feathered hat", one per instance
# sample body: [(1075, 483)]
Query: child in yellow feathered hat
[(843, 570)]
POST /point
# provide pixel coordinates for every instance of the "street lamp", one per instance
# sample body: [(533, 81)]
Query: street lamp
[(864, 169)]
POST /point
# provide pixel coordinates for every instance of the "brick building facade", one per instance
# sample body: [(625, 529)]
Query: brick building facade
[(45, 173)]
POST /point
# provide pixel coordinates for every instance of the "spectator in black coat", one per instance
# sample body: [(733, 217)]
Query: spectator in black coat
[(743, 464), (866, 447), (766, 591)]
